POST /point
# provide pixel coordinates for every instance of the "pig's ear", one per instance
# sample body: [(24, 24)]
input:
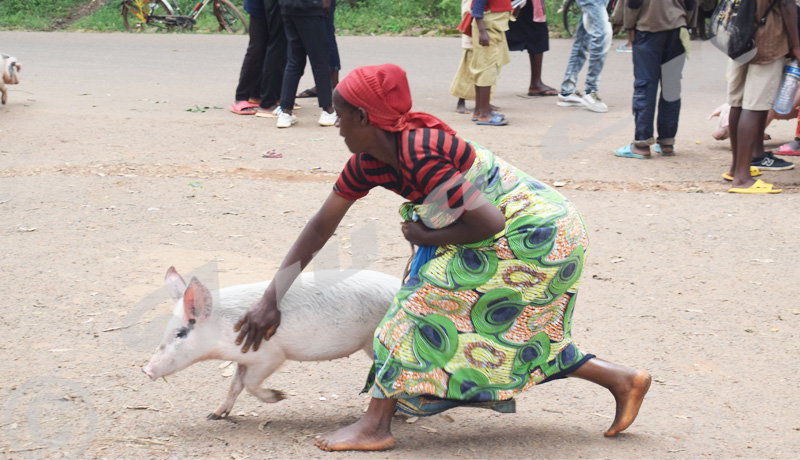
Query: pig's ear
[(174, 283), (197, 301)]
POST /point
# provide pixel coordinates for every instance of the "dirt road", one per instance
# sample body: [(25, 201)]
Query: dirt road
[(107, 179)]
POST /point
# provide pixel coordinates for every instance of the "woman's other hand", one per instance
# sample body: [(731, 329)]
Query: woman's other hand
[(415, 232)]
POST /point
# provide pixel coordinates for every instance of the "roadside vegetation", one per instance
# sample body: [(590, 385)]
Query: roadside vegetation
[(353, 17)]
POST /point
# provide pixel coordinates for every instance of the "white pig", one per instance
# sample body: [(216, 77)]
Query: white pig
[(9, 69), (325, 315)]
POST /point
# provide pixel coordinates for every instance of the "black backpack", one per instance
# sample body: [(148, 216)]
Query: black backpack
[(733, 28)]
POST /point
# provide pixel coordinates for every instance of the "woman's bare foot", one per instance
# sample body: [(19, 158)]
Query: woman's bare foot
[(629, 394), (361, 435), (372, 432), (626, 384)]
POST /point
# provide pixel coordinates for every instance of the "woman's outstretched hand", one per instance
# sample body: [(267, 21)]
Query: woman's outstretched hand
[(259, 323)]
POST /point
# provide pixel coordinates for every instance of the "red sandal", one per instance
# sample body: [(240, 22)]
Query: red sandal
[(243, 108), (785, 150)]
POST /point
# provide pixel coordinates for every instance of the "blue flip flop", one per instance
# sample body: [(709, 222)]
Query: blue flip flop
[(497, 120), (658, 150), (626, 152), (494, 114)]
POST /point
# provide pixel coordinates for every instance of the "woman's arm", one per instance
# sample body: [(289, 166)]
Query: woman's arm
[(264, 317), (477, 224)]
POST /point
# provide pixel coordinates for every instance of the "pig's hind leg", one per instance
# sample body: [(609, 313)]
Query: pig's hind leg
[(236, 388), (258, 372)]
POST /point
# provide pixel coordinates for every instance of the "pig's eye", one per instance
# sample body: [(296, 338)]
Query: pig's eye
[(184, 331)]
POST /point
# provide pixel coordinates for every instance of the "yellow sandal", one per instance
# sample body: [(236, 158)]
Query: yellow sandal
[(754, 172)]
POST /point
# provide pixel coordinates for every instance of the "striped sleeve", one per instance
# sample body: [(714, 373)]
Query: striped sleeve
[(434, 161), (352, 183)]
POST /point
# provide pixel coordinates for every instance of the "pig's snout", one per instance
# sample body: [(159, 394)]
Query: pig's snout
[(148, 372)]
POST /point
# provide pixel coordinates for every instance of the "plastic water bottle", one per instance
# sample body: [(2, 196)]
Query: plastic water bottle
[(788, 89)]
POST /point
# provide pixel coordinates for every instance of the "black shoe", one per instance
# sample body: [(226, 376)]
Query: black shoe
[(770, 163)]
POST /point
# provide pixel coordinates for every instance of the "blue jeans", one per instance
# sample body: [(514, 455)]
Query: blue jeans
[(593, 36), (658, 58)]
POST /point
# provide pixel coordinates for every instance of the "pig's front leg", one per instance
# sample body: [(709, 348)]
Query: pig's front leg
[(259, 372), (236, 388)]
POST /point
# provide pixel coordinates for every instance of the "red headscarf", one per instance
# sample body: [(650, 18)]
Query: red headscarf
[(382, 90)]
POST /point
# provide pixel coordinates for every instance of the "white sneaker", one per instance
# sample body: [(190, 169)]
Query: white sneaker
[(592, 102), (327, 119), (285, 120), (571, 100)]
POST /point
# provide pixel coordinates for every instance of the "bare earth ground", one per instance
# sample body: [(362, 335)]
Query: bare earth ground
[(106, 180)]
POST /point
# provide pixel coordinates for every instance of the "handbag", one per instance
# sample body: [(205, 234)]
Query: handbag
[(733, 28), (465, 27)]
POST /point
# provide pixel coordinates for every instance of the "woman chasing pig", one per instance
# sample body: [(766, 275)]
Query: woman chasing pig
[(488, 313)]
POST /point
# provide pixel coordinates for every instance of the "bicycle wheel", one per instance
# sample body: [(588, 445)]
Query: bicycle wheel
[(229, 17), (571, 17), (136, 15)]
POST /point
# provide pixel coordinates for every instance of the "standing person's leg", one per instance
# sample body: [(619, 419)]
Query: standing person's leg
[(536, 50), (275, 59), (763, 81), (249, 87), (486, 63), (536, 85), (463, 84), (577, 58), (595, 21), (315, 43), (526, 34), (749, 107), (333, 47), (669, 104), (647, 74), (734, 115), (748, 129), (295, 66)]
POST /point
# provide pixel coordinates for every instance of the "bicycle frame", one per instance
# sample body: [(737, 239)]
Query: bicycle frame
[(198, 8), (176, 16), (141, 13)]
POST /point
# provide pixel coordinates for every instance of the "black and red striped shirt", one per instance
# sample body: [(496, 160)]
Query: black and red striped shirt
[(431, 166)]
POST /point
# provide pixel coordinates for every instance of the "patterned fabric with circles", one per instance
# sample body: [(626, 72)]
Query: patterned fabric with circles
[(482, 322)]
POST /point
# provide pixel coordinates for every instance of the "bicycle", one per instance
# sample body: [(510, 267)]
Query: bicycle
[(571, 14), (138, 15)]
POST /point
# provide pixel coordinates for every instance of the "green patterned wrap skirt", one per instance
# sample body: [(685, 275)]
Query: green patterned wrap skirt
[(482, 322)]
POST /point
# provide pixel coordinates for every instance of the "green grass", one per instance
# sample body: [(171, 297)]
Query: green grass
[(353, 17), (106, 19), (34, 14), (397, 17)]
